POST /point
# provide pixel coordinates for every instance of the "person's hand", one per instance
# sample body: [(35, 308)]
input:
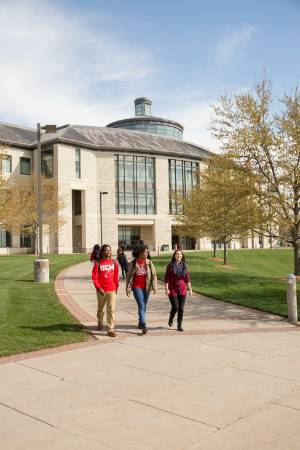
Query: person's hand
[(154, 291), (128, 292), (190, 293), (167, 292), (101, 291)]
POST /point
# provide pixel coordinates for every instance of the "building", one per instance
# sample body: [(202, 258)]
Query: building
[(131, 166)]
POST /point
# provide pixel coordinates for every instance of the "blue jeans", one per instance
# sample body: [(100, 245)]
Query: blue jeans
[(141, 296)]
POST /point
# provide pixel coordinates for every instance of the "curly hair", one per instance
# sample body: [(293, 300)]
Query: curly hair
[(137, 251), (104, 246)]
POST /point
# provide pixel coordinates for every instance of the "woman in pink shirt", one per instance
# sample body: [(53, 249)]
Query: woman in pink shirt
[(177, 278)]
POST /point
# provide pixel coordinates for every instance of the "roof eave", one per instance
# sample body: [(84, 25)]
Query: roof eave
[(16, 144), (123, 149)]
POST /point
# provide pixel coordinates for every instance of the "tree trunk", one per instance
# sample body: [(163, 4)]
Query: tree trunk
[(34, 246), (225, 253), (296, 246), (215, 249)]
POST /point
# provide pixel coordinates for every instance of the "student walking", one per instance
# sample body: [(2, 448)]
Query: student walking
[(105, 277), (121, 257), (95, 254), (177, 278), (141, 279)]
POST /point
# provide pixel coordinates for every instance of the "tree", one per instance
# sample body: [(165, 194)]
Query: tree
[(3, 189), (267, 144), (21, 214), (222, 207)]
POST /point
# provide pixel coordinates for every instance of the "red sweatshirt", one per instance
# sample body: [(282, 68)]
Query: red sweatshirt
[(105, 275)]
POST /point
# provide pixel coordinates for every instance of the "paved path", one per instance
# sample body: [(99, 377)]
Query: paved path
[(230, 382)]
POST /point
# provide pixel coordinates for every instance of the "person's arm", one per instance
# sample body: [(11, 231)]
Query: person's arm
[(95, 276), (188, 282), (116, 275), (167, 278), (128, 278), (154, 281)]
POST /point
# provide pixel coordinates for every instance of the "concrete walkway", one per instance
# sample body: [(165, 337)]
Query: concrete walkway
[(230, 382)]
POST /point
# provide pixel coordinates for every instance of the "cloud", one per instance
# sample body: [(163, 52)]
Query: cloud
[(61, 66), (233, 41)]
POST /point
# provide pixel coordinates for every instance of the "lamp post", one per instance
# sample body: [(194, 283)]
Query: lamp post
[(101, 193), (41, 265), (39, 190)]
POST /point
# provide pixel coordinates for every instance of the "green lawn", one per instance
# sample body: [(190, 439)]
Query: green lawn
[(31, 316), (253, 281)]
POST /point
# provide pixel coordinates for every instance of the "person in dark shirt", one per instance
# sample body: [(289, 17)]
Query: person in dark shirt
[(122, 260), (95, 255), (177, 279)]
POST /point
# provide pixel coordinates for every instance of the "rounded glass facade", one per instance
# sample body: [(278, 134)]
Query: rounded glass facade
[(145, 122), (161, 128)]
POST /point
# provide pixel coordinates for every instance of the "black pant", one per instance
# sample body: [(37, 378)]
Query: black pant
[(124, 269), (177, 303)]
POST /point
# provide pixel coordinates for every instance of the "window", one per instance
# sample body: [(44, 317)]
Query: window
[(25, 240), (128, 236), (135, 185), (77, 162), (47, 161), (25, 166), (76, 203), (5, 238), (6, 164), (139, 110), (183, 177)]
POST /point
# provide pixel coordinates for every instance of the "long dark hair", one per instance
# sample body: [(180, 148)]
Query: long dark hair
[(178, 250), (104, 246), (96, 252), (180, 270), (137, 251)]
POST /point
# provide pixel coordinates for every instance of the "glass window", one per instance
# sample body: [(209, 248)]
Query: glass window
[(6, 163), (139, 110), (183, 176), (77, 162), (188, 177), (135, 185), (47, 162), (25, 166), (5, 238), (128, 236), (76, 203), (147, 110), (25, 240)]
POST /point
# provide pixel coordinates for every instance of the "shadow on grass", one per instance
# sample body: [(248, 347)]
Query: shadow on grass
[(66, 328), (16, 281)]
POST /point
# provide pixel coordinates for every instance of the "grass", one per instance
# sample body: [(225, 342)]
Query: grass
[(31, 316), (255, 279)]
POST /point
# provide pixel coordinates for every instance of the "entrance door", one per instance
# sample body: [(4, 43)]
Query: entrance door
[(77, 239), (129, 236), (183, 242)]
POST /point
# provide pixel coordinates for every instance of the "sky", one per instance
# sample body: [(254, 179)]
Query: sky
[(84, 62)]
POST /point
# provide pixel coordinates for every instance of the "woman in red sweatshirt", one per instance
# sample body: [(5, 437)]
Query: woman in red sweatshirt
[(105, 277), (177, 278)]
